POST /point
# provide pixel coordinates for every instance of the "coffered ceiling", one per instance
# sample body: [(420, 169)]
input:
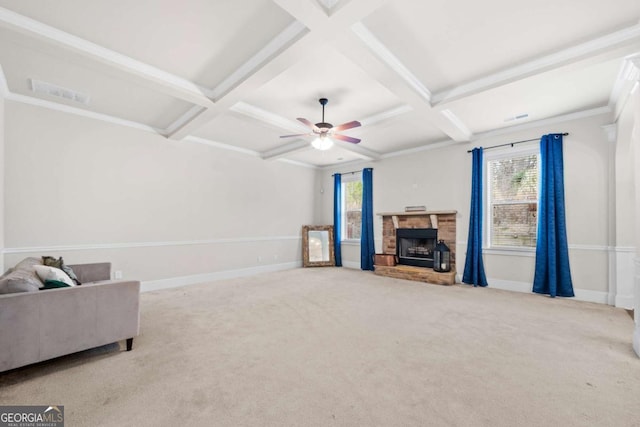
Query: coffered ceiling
[(236, 74)]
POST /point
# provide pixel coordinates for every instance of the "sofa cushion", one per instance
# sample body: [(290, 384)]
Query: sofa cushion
[(22, 278), (20, 281), (52, 284), (59, 263), (28, 263), (52, 261), (51, 273)]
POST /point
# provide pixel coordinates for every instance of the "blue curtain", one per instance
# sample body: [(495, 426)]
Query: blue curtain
[(474, 266), (337, 218), (367, 247), (552, 273)]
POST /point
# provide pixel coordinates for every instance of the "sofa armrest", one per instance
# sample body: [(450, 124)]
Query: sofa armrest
[(92, 272)]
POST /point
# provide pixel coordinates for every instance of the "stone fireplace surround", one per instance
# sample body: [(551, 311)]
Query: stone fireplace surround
[(444, 221)]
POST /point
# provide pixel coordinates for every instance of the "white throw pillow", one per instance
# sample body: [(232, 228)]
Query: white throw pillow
[(45, 273)]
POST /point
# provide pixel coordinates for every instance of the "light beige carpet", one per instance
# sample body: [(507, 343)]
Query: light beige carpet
[(331, 346)]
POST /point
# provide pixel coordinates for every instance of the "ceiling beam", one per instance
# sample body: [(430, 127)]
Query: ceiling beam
[(345, 31), (386, 56), (627, 37), (291, 33), (390, 73), (268, 117), (165, 82), (192, 119), (293, 43)]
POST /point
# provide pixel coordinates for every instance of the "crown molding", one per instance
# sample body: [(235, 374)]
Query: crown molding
[(362, 152), (170, 83), (544, 122), (181, 121), (502, 131), (23, 99), (627, 78), (199, 140), (283, 150), (365, 154), (298, 163), (611, 131), (346, 165), (384, 54), (4, 87), (539, 65), (253, 153), (426, 147)]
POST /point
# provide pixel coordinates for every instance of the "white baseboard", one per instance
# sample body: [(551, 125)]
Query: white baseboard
[(624, 301), (592, 296), (509, 285), (351, 264), (581, 294), (174, 282)]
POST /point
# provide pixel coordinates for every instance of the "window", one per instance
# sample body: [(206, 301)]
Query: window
[(512, 197), (351, 208)]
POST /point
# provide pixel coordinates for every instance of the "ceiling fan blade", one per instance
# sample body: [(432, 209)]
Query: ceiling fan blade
[(298, 134), (345, 138), (308, 123), (345, 126)]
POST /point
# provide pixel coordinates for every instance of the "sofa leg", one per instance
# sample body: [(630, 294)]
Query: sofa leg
[(129, 344)]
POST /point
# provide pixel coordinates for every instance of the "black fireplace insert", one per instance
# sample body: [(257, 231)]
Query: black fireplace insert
[(414, 246)]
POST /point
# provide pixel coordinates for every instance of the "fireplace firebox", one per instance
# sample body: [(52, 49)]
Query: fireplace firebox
[(415, 246)]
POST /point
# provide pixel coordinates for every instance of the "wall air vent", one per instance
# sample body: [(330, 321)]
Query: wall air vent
[(51, 89)]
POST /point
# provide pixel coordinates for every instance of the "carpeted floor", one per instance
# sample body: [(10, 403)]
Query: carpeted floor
[(331, 346)]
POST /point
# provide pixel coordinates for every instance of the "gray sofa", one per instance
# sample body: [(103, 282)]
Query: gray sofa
[(41, 325)]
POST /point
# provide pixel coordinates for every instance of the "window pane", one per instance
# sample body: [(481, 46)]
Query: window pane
[(352, 210), (513, 200), (514, 178), (514, 224)]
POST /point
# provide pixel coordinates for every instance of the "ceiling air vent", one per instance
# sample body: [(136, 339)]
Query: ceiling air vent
[(39, 86), (517, 117)]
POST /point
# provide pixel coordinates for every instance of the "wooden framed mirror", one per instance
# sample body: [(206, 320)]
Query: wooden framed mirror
[(317, 246)]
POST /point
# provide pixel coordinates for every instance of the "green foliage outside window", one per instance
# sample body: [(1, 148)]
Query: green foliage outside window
[(352, 210)]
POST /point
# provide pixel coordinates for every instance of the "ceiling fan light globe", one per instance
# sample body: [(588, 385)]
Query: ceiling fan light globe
[(322, 143)]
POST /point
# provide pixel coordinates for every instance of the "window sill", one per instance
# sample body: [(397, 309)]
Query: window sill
[(524, 252)]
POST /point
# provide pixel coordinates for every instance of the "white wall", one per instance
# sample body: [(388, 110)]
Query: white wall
[(626, 227), (2, 173), (156, 208), (440, 179)]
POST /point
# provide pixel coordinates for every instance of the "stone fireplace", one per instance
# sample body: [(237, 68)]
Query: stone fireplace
[(418, 247)]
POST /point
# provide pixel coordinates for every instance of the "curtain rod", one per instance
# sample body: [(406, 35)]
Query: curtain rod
[(515, 142), (350, 172)]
